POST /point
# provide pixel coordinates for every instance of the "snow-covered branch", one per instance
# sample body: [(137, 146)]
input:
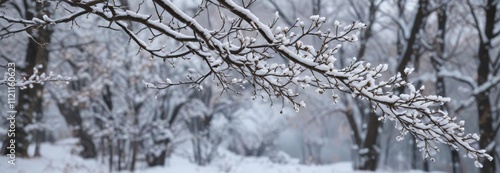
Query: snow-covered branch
[(35, 78), (458, 76), (477, 90)]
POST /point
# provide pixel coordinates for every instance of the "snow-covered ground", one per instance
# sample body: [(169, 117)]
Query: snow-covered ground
[(59, 158)]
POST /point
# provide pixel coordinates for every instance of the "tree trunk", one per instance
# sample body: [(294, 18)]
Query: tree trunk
[(483, 103), (134, 155), (72, 116), (154, 160), (370, 158), (437, 61), (38, 140), (484, 109), (409, 47), (366, 155), (135, 136), (120, 154), (30, 100), (110, 148)]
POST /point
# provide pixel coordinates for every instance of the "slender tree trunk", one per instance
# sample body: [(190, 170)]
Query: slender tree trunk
[(367, 33), (484, 109), (134, 155), (110, 148), (366, 160), (102, 148), (412, 40), (38, 140), (483, 103), (407, 51), (196, 140), (120, 153), (134, 141), (437, 62), (372, 156)]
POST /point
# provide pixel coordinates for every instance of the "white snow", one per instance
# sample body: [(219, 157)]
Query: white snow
[(60, 157)]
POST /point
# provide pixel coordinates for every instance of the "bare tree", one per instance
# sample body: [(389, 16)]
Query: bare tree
[(365, 138), (30, 104), (438, 62), (487, 32)]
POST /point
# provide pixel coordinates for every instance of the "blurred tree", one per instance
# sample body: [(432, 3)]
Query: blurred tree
[(30, 101), (487, 32)]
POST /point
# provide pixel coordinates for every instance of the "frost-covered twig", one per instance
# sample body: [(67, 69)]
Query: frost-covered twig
[(35, 78)]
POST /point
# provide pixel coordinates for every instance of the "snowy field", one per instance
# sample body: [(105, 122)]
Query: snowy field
[(59, 158)]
